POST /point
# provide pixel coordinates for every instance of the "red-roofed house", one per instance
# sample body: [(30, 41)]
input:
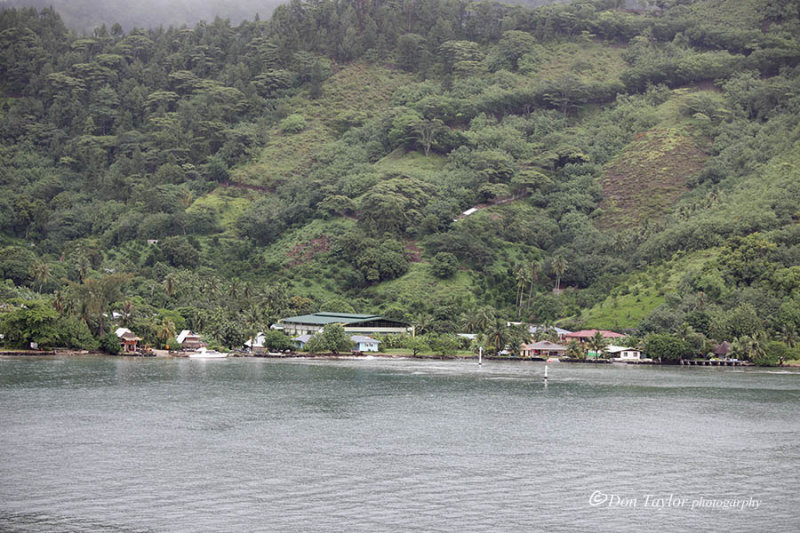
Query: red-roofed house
[(584, 335)]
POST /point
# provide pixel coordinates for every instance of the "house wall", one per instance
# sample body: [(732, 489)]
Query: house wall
[(293, 329), (367, 347)]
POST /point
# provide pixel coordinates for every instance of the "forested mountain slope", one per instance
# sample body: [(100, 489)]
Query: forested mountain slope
[(645, 163)]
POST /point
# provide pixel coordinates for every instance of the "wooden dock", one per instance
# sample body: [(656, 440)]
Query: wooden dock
[(710, 362)]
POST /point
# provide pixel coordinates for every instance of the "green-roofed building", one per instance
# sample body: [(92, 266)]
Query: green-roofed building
[(363, 324)]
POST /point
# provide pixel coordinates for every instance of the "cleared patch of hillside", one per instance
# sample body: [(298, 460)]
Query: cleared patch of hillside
[(413, 164), (355, 93), (226, 203), (648, 176), (589, 60), (419, 286)]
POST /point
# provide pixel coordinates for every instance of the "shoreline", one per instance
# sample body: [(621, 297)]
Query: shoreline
[(370, 355)]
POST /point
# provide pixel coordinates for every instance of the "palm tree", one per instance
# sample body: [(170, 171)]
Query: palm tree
[(597, 343), (533, 273), (41, 273), (93, 295), (575, 351), (476, 319), (789, 335), (165, 330), (750, 347), (127, 312), (169, 285), (522, 280), (560, 266), (58, 302), (497, 335), (82, 263), (422, 322)]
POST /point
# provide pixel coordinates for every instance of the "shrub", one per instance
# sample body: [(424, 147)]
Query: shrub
[(109, 343), (444, 265), (292, 124)]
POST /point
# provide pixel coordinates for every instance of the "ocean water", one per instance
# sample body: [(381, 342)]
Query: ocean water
[(128, 444)]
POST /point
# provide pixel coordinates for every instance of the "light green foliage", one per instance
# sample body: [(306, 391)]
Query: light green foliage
[(293, 124), (441, 344), (332, 339)]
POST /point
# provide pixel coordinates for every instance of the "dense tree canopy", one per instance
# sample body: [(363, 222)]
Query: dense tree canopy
[(645, 162)]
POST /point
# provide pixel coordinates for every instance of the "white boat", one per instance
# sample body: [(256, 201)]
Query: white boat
[(205, 353)]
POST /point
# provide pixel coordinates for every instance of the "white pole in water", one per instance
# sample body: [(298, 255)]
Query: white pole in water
[(545, 373), (480, 355)]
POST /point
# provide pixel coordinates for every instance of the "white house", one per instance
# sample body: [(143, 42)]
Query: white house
[(365, 344), (622, 353)]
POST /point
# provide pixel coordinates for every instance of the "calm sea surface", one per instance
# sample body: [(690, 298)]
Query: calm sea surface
[(118, 444)]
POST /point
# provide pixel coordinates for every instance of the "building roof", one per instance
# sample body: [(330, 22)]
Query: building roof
[(544, 345), (355, 338), (559, 331), (723, 348), (364, 339), (591, 333), (185, 333), (257, 341), (322, 318), (617, 349), (129, 336), (330, 318)]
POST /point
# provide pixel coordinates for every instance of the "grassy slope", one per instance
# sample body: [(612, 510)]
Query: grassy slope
[(419, 286), (641, 292), (413, 164), (358, 89), (228, 203), (589, 60)]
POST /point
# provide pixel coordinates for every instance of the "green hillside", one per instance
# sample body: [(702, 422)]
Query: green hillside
[(642, 163)]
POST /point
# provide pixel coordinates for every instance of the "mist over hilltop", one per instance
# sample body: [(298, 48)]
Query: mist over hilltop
[(85, 15)]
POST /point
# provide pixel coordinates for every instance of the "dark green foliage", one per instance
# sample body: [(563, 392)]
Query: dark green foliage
[(110, 344), (179, 252), (277, 341), (375, 259), (332, 339), (444, 265), (666, 347), (114, 138), (39, 322), (226, 329)]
